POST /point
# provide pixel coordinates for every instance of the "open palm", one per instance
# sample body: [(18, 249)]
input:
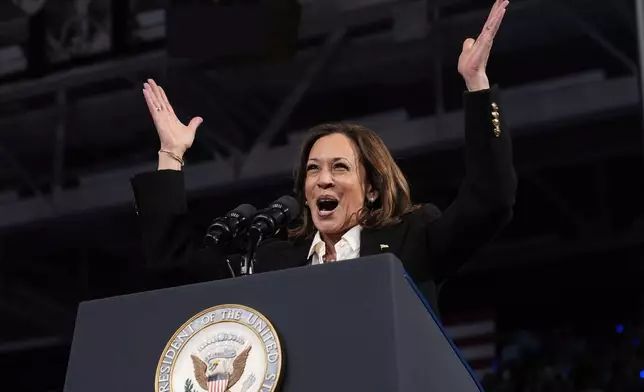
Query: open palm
[(476, 52), (173, 134)]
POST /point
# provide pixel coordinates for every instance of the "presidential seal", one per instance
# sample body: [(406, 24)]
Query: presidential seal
[(225, 348)]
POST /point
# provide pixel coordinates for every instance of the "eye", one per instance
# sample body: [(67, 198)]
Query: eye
[(341, 166), (312, 167)]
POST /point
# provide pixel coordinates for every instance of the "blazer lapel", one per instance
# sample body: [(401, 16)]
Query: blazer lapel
[(301, 251)]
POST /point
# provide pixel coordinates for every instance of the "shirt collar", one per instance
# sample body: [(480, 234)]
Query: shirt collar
[(352, 237)]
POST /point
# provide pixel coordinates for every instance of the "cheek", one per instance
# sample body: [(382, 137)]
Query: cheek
[(354, 196), (356, 201), (309, 187)]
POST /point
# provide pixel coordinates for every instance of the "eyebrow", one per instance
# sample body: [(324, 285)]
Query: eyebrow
[(332, 159)]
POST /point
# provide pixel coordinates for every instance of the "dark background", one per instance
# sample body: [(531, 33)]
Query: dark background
[(74, 129)]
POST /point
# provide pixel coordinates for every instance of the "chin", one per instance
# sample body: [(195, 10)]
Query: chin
[(329, 227)]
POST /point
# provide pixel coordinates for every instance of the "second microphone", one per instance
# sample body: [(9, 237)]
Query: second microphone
[(230, 232)]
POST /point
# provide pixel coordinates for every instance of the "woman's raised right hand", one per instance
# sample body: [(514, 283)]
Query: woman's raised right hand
[(173, 134)]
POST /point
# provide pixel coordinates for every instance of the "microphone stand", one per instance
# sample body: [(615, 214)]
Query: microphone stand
[(248, 260), (230, 268)]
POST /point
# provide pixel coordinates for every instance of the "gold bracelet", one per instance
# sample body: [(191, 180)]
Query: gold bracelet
[(174, 156)]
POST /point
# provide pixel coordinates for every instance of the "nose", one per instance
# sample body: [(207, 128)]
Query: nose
[(325, 179)]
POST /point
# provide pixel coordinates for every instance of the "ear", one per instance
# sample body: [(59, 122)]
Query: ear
[(369, 189), (372, 194)]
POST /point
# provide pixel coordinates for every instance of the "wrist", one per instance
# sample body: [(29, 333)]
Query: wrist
[(177, 151), (169, 160), (477, 83), (167, 163)]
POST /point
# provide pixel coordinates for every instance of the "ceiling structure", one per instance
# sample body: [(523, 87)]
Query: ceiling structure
[(71, 140)]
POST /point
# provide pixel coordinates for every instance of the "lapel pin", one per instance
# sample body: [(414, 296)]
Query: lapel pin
[(384, 246)]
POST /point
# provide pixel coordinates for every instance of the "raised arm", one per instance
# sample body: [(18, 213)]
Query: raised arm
[(171, 245), (485, 200)]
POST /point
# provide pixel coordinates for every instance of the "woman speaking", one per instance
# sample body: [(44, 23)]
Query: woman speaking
[(356, 201)]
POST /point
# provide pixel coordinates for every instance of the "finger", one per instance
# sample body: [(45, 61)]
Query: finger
[(496, 24), (194, 123), (495, 7), (468, 44), (480, 52), (489, 30), (498, 4), (494, 19), (148, 88), (164, 97), (156, 92), (150, 99)]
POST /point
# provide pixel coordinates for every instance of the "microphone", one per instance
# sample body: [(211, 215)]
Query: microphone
[(266, 223), (279, 214), (224, 230)]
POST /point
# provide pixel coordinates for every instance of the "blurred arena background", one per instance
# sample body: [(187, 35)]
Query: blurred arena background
[(554, 304)]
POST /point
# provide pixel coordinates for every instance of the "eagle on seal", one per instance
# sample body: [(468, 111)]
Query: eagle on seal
[(221, 375)]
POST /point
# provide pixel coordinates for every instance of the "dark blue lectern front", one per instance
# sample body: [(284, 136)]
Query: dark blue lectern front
[(357, 325)]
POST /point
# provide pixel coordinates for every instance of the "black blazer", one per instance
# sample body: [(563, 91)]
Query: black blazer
[(431, 245)]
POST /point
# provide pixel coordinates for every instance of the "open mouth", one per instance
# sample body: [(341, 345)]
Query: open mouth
[(327, 205)]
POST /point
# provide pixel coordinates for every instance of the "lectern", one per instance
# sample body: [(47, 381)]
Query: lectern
[(356, 325)]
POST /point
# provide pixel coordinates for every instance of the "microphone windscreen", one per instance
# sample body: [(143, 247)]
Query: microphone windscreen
[(246, 211), (292, 207)]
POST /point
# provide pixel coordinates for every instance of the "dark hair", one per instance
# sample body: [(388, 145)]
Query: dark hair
[(381, 172)]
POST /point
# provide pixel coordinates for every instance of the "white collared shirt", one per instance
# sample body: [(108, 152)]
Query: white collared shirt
[(347, 248)]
